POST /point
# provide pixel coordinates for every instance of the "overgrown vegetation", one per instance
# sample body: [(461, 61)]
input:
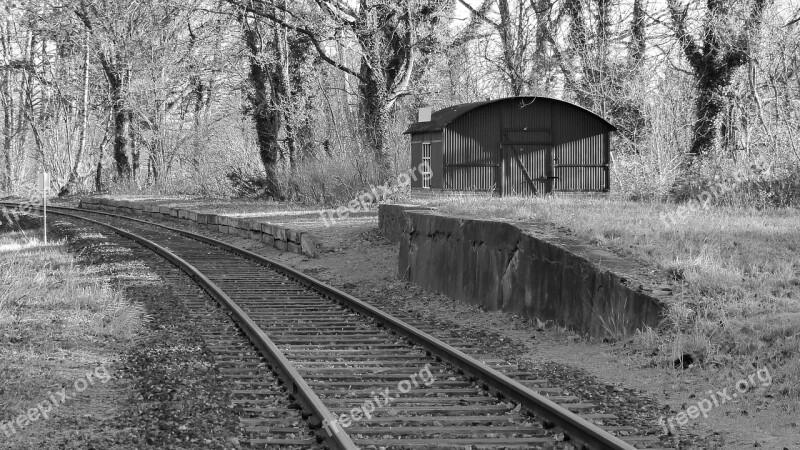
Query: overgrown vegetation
[(738, 269), (52, 311), (307, 101)]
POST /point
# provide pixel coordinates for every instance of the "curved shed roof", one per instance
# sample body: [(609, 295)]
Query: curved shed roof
[(442, 117)]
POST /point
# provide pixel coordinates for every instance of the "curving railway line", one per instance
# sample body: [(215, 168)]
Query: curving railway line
[(361, 377)]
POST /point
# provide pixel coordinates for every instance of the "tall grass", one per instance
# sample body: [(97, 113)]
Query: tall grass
[(737, 269), (42, 288), (53, 313)]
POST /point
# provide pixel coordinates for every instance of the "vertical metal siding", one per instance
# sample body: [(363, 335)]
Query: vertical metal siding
[(416, 159), (436, 160), (472, 150), (471, 156), (579, 140), (521, 114)]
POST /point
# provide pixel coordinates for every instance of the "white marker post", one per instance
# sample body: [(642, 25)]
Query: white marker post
[(44, 185)]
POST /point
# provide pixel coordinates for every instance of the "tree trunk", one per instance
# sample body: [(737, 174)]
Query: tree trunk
[(375, 119), (713, 64), (267, 127), (113, 70), (198, 92), (121, 127), (8, 108), (152, 167), (543, 77), (267, 120), (282, 89), (132, 144), (68, 188), (638, 43), (510, 61), (708, 105), (29, 106), (8, 125), (98, 175)]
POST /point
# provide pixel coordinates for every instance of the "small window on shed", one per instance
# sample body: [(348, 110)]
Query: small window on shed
[(426, 165)]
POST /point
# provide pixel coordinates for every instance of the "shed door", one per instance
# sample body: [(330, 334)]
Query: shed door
[(527, 169)]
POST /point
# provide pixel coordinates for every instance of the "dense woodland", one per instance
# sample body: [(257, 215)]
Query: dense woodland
[(307, 100)]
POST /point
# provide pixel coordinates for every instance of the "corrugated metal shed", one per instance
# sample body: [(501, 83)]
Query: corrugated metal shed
[(517, 145), (442, 117)]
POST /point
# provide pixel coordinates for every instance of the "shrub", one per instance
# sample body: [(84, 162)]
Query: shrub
[(247, 183)]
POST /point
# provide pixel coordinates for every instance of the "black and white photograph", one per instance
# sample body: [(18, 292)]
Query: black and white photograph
[(410, 224)]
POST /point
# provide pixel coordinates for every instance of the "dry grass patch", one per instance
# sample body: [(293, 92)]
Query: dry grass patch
[(57, 320), (739, 269)]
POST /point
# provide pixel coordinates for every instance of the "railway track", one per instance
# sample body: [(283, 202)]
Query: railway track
[(274, 417), (363, 378)]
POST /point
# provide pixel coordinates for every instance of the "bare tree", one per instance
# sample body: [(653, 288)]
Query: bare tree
[(115, 67), (638, 43), (72, 179), (389, 38), (522, 28), (265, 90), (714, 56), (7, 97)]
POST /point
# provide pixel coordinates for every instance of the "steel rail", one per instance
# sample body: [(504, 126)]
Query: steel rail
[(577, 428), (339, 440)]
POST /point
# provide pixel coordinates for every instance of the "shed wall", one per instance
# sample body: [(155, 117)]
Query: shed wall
[(533, 115), (416, 158), (436, 158), (437, 166), (579, 140), (472, 150), (471, 156)]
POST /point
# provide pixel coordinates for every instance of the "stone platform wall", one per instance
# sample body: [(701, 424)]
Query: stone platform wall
[(282, 238), (499, 266), (392, 220)]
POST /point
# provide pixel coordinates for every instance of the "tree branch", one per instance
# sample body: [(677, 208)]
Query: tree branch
[(109, 71), (339, 11), (687, 42), (303, 30), (481, 12)]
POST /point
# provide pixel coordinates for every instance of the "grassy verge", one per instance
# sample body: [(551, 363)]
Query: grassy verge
[(58, 322), (739, 269)]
